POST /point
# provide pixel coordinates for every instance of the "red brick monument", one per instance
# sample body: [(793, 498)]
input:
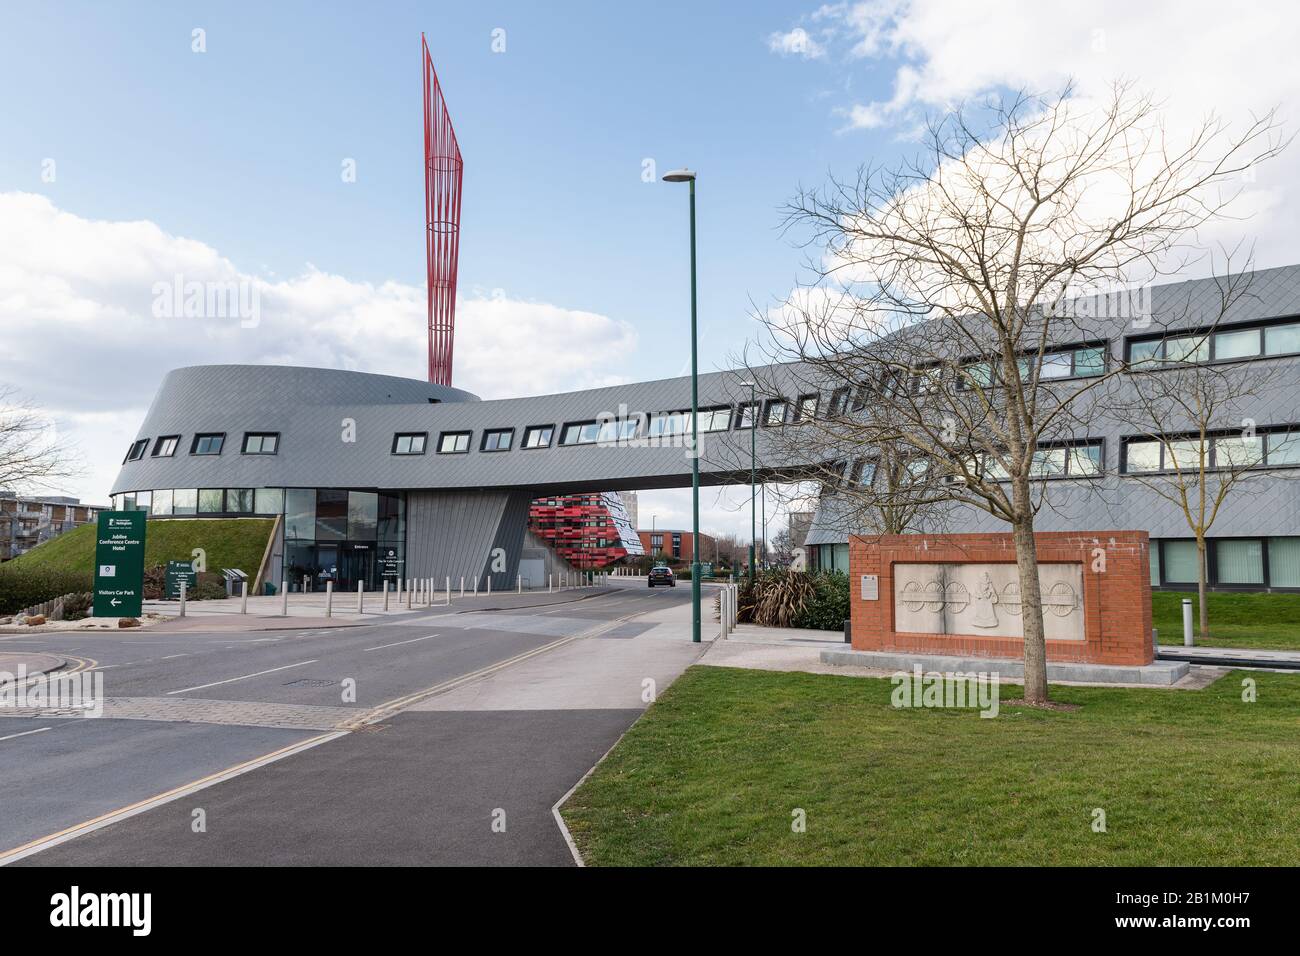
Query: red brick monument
[(959, 594)]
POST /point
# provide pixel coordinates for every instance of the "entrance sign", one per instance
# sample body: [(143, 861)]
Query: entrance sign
[(119, 564), (178, 571)]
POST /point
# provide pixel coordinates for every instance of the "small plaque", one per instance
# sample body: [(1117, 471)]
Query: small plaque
[(870, 587)]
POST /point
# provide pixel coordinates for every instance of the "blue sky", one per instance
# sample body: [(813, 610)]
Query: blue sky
[(241, 146), (573, 273)]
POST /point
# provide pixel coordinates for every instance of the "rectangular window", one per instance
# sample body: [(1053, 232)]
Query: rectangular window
[(1231, 345), (838, 404), (1235, 451), (664, 424), (1188, 349), (745, 418), (1155, 564), (300, 513), (208, 444), (1282, 339), (868, 474), (1283, 448), (715, 419), (1047, 463), (137, 449), (211, 500), (239, 500), (1141, 456), (363, 515), (498, 439), (165, 446), (143, 501), (777, 411), (1179, 562), (808, 406), (580, 433), (1057, 365), (331, 514), (614, 430), (269, 501), (977, 375), (1284, 562), (261, 443), (453, 443), (538, 436), (162, 502), (1239, 560), (409, 443), (185, 501), (1186, 455)]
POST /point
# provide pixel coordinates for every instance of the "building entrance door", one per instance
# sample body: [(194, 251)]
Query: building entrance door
[(355, 564)]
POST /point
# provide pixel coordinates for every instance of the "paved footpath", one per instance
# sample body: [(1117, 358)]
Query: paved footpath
[(474, 725)]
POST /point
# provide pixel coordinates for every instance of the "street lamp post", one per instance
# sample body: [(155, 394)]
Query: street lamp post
[(753, 472), (686, 176)]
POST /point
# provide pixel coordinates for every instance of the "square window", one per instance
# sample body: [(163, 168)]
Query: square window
[(1145, 353), (1239, 560), (239, 500), (137, 450), (1179, 561), (453, 443), (1059, 365), (269, 501), (162, 502), (1089, 361), (808, 407), (776, 412), (1142, 456), (185, 501), (409, 443), (210, 500), (261, 443), (1085, 460), (499, 439), (1047, 463), (208, 444), (1188, 349), (980, 375), (165, 446)]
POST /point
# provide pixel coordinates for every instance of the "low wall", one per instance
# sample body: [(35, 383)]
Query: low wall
[(959, 594)]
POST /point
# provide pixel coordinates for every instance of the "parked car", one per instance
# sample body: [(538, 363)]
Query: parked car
[(661, 575)]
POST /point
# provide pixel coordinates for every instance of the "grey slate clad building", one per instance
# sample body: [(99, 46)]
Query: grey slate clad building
[(377, 476)]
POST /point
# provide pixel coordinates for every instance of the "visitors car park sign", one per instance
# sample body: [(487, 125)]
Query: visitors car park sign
[(119, 564)]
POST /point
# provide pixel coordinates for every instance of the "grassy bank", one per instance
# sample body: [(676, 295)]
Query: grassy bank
[(712, 774), (66, 563), (1236, 620)]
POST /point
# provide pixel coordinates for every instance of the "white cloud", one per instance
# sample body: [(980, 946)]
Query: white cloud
[(796, 42), (83, 339)]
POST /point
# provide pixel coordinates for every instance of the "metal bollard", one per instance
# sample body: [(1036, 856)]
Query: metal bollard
[(489, 585), (519, 584), (1189, 640), (243, 596), (409, 594), (449, 591), (361, 597), (550, 583), (183, 590), (476, 585), (284, 598), (462, 585), (385, 594), (329, 598)]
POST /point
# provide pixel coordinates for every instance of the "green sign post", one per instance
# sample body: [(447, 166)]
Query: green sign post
[(178, 571), (119, 564)]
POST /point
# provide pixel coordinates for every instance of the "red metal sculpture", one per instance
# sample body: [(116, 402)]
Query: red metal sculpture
[(443, 171)]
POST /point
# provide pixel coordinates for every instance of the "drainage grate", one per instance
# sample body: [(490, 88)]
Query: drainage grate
[(310, 682)]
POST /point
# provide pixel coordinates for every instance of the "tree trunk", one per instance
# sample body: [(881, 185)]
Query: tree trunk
[(1031, 611), (1201, 574)]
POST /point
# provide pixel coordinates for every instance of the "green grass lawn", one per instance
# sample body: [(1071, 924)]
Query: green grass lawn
[(1236, 620), (711, 774), (229, 543)]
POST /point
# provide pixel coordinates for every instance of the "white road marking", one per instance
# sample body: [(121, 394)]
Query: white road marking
[(171, 656), (232, 680), (400, 643), (25, 733)]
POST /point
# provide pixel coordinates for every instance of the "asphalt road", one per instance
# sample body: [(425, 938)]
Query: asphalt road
[(414, 788)]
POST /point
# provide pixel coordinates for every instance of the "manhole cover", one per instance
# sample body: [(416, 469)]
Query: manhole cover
[(309, 682)]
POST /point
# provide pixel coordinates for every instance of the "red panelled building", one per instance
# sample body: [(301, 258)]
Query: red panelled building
[(588, 531)]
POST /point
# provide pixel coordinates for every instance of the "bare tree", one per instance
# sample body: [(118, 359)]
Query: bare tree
[(31, 457), (947, 292), (1191, 414)]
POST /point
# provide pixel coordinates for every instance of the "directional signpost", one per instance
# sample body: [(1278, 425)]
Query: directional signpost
[(119, 564)]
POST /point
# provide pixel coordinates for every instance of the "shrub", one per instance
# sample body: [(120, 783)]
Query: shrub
[(781, 598), (828, 608), (77, 606), (22, 587)]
